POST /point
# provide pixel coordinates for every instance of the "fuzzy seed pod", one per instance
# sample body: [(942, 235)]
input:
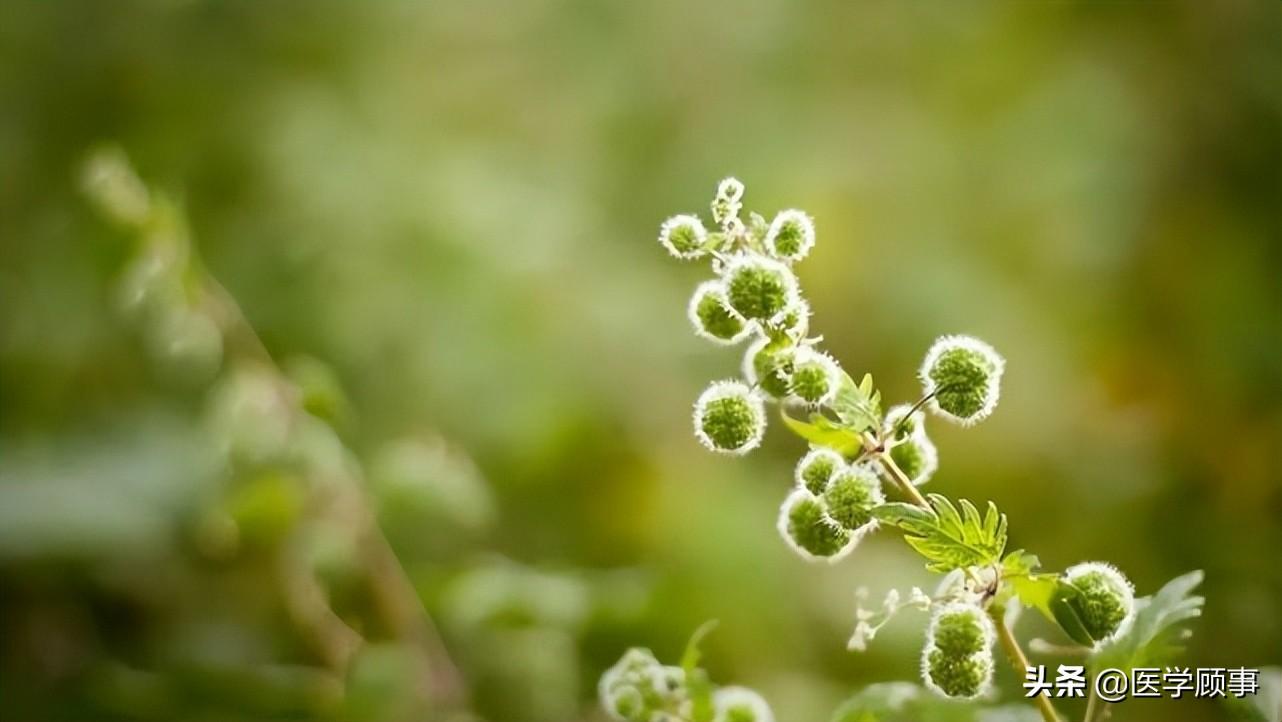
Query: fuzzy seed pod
[(964, 374), (729, 418), (684, 236), (795, 323), (1106, 603), (740, 704), (817, 468), (713, 318), (912, 450), (728, 202), (806, 528), (851, 495), (759, 288), (814, 376), (637, 687), (957, 660), (768, 364), (791, 236)]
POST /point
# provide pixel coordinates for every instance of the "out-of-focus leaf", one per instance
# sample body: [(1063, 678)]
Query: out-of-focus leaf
[(907, 702), (1154, 637), (1265, 706)]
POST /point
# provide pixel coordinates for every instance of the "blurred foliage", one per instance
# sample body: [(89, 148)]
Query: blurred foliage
[(440, 218)]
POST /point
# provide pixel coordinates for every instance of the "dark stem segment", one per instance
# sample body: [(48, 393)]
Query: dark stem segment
[(1011, 646)]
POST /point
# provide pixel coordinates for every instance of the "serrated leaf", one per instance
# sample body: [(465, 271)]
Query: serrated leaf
[(1151, 639), (819, 431), (947, 538), (858, 406)]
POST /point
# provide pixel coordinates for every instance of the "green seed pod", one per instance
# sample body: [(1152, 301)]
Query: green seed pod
[(637, 687), (728, 202), (806, 528), (964, 374), (851, 495), (912, 451), (817, 468), (957, 677), (957, 660), (758, 288), (740, 704), (961, 629), (814, 376), (768, 364), (713, 318), (729, 418), (684, 236), (1106, 599), (791, 235), (795, 323)]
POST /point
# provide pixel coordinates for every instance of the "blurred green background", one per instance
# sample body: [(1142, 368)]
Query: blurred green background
[(448, 211)]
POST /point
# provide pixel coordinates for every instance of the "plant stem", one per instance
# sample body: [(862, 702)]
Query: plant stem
[(887, 463), (996, 612), (1092, 706)]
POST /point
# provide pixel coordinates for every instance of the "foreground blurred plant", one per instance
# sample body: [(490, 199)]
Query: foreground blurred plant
[(838, 499)]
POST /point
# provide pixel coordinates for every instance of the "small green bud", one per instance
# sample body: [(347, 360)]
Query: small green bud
[(768, 364), (791, 235), (795, 323), (1106, 600), (728, 202), (729, 418), (814, 376), (740, 704), (713, 318), (964, 374), (637, 687), (957, 677), (961, 629), (817, 468), (806, 528), (957, 660), (758, 288), (684, 236), (911, 450), (851, 495)]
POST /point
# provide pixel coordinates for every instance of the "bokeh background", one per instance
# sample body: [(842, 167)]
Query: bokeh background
[(440, 219)]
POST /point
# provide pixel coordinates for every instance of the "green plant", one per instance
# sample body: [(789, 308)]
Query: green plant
[(856, 448)]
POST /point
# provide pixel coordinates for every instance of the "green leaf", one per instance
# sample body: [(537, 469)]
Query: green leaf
[(1034, 590), (819, 431), (692, 654), (698, 685), (949, 539), (907, 702), (858, 406), (1266, 706), (1063, 613), (1154, 637)]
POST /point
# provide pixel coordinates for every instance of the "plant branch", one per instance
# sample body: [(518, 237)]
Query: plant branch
[(905, 484), (1011, 646)]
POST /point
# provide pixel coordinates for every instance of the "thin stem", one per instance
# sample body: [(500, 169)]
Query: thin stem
[(996, 612), (887, 463), (1092, 706)]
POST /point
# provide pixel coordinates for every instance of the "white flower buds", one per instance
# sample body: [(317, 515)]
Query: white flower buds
[(713, 318), (911, 450), (791, 236)]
